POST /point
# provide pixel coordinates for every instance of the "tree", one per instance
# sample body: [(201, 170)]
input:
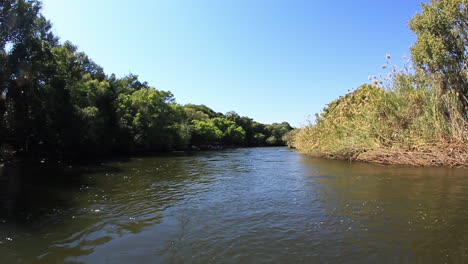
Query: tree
[(441, 48), (55, 101), (181, 127), (234, 135), (146, 116), (205, 132), (193, 114), (203, 109), (25, 44), (277, 133), (258, 139)]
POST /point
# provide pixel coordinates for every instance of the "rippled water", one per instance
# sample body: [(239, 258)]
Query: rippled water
[(254, 205)]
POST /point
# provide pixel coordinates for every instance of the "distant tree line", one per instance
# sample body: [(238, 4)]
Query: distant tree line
[(55, 100)]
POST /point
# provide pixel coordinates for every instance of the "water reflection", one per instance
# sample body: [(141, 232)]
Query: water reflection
[(404, 214), (258, 205), (77, 209)]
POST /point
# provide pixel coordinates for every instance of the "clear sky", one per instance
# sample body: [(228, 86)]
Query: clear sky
[(270, 60)]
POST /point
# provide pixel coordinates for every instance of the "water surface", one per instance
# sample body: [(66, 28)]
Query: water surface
[(253, 205)]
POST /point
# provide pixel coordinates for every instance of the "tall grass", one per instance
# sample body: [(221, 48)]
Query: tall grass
[(398, 119)]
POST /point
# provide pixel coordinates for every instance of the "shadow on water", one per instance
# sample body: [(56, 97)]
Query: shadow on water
[(30, 191), (57, 214)]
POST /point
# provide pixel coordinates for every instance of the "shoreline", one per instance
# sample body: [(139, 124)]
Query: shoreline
[(123, 156), (450, 156)]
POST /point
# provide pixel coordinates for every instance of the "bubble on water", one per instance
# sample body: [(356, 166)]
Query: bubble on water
[(9, 238)]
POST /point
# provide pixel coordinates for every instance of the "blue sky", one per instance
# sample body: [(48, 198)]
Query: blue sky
[(270, 60)]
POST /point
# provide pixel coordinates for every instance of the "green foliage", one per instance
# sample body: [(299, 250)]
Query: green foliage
[(234, 135), (370, 122), (290, 138), (277, 133), (258, 139), (55, 101), (441, 46), (205, 132), (200, 112), (193, 114), (180, 130), (222, 123), (146, 115), (406, 118), (271, 141)]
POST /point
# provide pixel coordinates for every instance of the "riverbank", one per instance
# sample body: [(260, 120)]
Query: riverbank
[(451, 156), (406, 125), (412, 115), (43, 159)]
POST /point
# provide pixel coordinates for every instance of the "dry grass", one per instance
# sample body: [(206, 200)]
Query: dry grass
[(401, 121), (448, 156)]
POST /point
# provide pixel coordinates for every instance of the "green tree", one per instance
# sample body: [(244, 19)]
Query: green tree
[(234, 135), (222, 123), (193, 114), (203, 109), (25, 43), (147, 116), (277, 133), (205, 132), (258, 139), (441, 46), (180, 130), (55, 100)]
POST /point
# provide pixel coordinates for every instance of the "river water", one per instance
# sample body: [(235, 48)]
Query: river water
[(256, 205)]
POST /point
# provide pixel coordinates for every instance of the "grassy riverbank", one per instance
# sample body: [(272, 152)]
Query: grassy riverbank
[(402, 126), (407, 116)]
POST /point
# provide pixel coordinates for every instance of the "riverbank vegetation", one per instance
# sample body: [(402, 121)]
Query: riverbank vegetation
[(56, 102), (406, 116)]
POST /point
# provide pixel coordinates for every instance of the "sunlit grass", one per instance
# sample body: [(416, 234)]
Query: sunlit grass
[(398, 119)]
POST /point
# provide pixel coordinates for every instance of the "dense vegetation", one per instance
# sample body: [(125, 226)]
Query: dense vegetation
[(55, 101), (407, 116)]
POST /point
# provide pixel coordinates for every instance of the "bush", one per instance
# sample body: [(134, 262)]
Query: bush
[(371, 123)]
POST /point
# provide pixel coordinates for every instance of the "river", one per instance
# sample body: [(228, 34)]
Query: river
[(252, 205)]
